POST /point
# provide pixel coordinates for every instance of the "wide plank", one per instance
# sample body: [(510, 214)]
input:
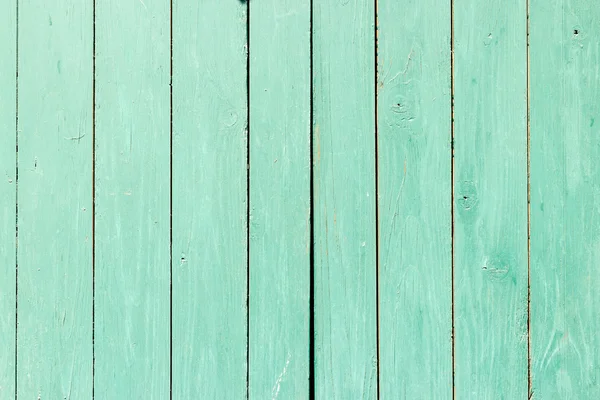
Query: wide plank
[(54, 336), (490, 199), (279, 199), (345, 269), (209, 199), (132, 206), (414, 186), (565, 194)]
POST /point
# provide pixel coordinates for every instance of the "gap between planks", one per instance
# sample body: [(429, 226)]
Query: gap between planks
[(247, 199), (529, 381), (16, 190), (453, 332), (93, 198), (376, 99)]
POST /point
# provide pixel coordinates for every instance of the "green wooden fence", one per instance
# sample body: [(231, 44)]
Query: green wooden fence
[(298, 199)]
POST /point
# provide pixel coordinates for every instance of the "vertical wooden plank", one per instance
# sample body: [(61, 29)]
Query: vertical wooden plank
[(8, 184), (55, 200), (490, 199), (132, 206), (414, 180), (209, 199), (565, 196), (279, 199), (344, 199)]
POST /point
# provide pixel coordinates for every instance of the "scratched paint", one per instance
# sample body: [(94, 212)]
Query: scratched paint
[(565, 300), (266, 199), (210, 248), (490, 199), (414, 186), (344, 200), (279, 224), (132, 200), (54, 253)]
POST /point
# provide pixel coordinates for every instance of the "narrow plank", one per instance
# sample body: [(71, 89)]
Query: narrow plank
[(279, 199), (132, 206), (209, 199), (55, 200), (8, 197), (414, 181), (565, 189), (344, 200), (490, 199)]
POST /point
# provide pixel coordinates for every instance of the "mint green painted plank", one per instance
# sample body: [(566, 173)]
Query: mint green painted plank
[(279, 199), (414, 180), (54, 335), (8, 30), (490, 199), (344, 199), (565, 195), (209, 199), (132, 249)]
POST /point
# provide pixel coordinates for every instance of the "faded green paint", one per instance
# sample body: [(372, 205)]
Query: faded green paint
[(8, 196), (490, 199), (565, 194), (132, 207), (414, 186), (209, 199), (197, 249), (279, 199), (54, 336), (344, 200)]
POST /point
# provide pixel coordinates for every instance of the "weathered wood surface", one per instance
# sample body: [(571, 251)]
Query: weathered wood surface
[(54, 334), (209, 199), (490, 199), (565, 189), (132, 208), (280, 228), (8, 196), (414, 186), (158, 237), (344, 200)]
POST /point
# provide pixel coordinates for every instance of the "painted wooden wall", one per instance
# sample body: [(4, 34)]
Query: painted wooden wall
[(277, 199)]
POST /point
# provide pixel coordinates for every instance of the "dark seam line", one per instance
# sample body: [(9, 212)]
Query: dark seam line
[(16, 190), (247, 199), (529, 381), (376, 99), (452, 268), (93, 197), (311, 305), (171, 200)]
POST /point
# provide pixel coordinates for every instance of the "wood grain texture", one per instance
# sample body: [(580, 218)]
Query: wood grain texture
[(8, 196), (55, 200), (344, 200), (414, 180), (490, 199), (132, 250), (279, 199), (565, 195), (56, 169), (209, 199)]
